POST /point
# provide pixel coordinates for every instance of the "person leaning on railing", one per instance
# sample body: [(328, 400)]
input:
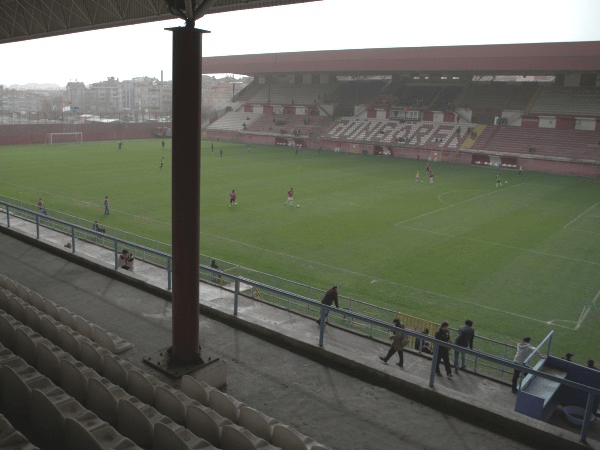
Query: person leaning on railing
[(524, 349), (215, 278), (466, 333), (330, 297)]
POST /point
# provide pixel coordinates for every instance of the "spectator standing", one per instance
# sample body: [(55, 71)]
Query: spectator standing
[(330, 297), (399, 341), (106, 206), (590, 364), (568, 357), (41, 207), (232, 198), (465, 339), (524, 349), (443, 335)]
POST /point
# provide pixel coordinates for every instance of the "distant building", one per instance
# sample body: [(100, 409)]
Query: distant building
[(139, 99), (106, 97), (78, 95)]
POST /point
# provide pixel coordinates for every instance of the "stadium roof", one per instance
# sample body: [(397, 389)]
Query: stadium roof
[(511, 59), (30, 19)]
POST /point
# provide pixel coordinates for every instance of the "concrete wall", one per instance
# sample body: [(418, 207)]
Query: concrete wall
[(93, 131)]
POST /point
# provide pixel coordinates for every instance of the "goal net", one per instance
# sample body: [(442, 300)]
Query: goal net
[(60, 138)]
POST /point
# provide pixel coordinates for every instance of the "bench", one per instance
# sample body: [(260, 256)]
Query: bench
[(537, 397)]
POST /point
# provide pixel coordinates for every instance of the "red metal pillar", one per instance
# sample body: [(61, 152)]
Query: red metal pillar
[(187, 83)]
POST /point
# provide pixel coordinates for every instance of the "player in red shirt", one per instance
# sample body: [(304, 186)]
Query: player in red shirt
[(290, 198), (431, 175), (232, 198)]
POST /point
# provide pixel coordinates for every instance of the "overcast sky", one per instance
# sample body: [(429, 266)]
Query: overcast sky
[(145, 50)]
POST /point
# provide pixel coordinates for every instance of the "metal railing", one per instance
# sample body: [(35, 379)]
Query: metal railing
[(158, 254), (85, 234), (239, 284), (297, 302)]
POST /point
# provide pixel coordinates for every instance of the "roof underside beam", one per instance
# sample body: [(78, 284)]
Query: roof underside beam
[(31, 19)]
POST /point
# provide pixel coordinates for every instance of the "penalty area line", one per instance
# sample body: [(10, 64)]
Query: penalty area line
[(456, 204), (576, 218), (589, 305)]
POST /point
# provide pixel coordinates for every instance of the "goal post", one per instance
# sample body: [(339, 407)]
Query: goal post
[(61, 138)]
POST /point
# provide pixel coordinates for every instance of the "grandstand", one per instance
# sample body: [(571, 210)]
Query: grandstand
[(370, 99), (411, 102)]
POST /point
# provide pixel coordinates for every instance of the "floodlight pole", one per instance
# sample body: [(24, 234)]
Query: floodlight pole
[(187, 101)]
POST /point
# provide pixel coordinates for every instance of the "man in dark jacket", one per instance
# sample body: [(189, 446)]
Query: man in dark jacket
[(465, 339), (330, 297), (443, 335)]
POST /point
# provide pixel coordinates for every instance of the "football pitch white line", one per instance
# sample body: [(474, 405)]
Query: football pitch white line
[(502, 245), (586, 309), (576, 218), (452, 192), (456, 204), (385, 281), (575, 230)]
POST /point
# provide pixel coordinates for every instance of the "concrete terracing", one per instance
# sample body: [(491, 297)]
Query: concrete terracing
[(340, 395)]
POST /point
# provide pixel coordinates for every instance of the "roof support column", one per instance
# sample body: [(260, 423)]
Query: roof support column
[(187, 93)]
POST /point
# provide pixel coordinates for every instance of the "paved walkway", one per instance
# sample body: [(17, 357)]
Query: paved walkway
[(363, 405)]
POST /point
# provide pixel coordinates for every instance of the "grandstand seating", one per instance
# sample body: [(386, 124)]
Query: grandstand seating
[(359, 92), (515, 101), (555, 143), (112, 404), (496, 95), (297, 94), (265, 124), (417, 96), (554, 100), (11, 438), (522, 96), (445, 96), (391, 132), (248, 92), (572, 144), (234, 121)]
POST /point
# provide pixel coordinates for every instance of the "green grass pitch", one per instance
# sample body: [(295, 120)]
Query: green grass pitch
[(521, 259)]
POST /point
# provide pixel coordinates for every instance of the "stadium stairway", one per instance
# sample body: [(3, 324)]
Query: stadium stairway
[(469, 141), (79, 379)]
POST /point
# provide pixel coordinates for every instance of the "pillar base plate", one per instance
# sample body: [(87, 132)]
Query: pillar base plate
[(162, 361)]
